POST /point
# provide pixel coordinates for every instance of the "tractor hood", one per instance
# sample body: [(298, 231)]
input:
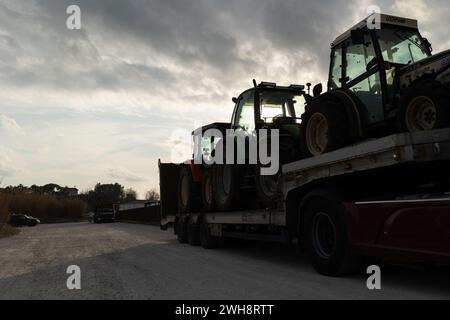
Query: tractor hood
[(437, 65)]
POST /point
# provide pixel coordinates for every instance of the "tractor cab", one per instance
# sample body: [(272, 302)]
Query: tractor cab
[(367, 62), (268, 106), (381, 81)]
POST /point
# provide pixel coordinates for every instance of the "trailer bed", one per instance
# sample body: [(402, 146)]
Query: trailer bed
[(427, 147), (394, 150)]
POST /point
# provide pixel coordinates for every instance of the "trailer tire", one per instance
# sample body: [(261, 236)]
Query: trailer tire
[(326, 239), (193, 233), (189, 192), (182, 230), (206, 239)]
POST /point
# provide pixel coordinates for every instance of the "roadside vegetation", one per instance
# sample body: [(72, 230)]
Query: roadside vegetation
[(5, 229), (54, 203), (46, 208)]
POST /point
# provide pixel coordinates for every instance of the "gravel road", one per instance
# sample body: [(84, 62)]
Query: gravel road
[(130, 261)]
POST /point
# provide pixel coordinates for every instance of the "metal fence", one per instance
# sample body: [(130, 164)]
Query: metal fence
[(151, 215)]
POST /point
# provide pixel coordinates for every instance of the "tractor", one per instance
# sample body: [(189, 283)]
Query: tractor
[(225, 187), (381, 81)]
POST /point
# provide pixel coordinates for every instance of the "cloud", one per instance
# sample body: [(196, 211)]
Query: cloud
[(125, 175), (8, 124), (8, 167), (116, 90)]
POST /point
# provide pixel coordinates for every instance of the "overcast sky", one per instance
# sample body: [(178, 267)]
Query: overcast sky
[(102, 104)]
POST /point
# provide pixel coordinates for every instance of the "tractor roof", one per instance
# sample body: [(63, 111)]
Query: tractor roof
[(384, 19)]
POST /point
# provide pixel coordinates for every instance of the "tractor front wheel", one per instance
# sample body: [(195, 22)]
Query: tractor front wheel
[(324, 129)]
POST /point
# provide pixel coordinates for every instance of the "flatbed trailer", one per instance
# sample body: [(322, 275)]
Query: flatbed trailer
[(386, 197)]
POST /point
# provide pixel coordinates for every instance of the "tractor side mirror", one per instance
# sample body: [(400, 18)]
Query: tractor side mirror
[(235, 100), (427, 44), (357, 36), (317, 90)]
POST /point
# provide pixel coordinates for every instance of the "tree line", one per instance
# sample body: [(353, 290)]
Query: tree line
[(102, 195)]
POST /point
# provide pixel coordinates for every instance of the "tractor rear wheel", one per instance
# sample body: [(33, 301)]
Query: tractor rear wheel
[(189, 193), (324, 129), (267, 186), (425, 107), (227, 181), (208, 191)]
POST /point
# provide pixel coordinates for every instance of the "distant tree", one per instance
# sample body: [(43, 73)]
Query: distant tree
[(129, 195), (51, 188), (152, 195), (104, 195)]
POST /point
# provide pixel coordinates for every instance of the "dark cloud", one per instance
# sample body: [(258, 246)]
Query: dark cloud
[(138, 69)]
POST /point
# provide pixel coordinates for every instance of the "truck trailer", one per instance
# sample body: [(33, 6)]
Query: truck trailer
[(385, 197), (364, 167)]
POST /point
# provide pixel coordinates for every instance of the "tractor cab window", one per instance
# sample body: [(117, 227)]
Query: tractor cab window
[(401, 45), (275, 105), (336, 69), (359, 58), (363, 77), (245, 116)]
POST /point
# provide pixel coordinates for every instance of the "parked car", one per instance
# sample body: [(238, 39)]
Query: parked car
[(103, 214), (18, 220)]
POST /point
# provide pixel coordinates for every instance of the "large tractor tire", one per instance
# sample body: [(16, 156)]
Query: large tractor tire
[(425, 106), (325, 238), (324, 128), (227, 181), (267, 185), (189, 193), (208, 191)]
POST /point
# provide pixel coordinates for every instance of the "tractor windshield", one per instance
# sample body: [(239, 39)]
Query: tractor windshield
[(279, 104), (401, 45)]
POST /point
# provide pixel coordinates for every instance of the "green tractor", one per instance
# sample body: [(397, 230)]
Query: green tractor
[(208, 186), (381, 81)]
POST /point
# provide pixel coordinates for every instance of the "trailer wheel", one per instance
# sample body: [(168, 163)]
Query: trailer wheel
[(193, 233), (206, 239), (208, 191), (424, 107), (324, 129), (326, 239), (189, 192), (182, 230)]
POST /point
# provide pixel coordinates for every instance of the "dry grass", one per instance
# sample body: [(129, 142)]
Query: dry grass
[(44, 207), (5, 229)]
